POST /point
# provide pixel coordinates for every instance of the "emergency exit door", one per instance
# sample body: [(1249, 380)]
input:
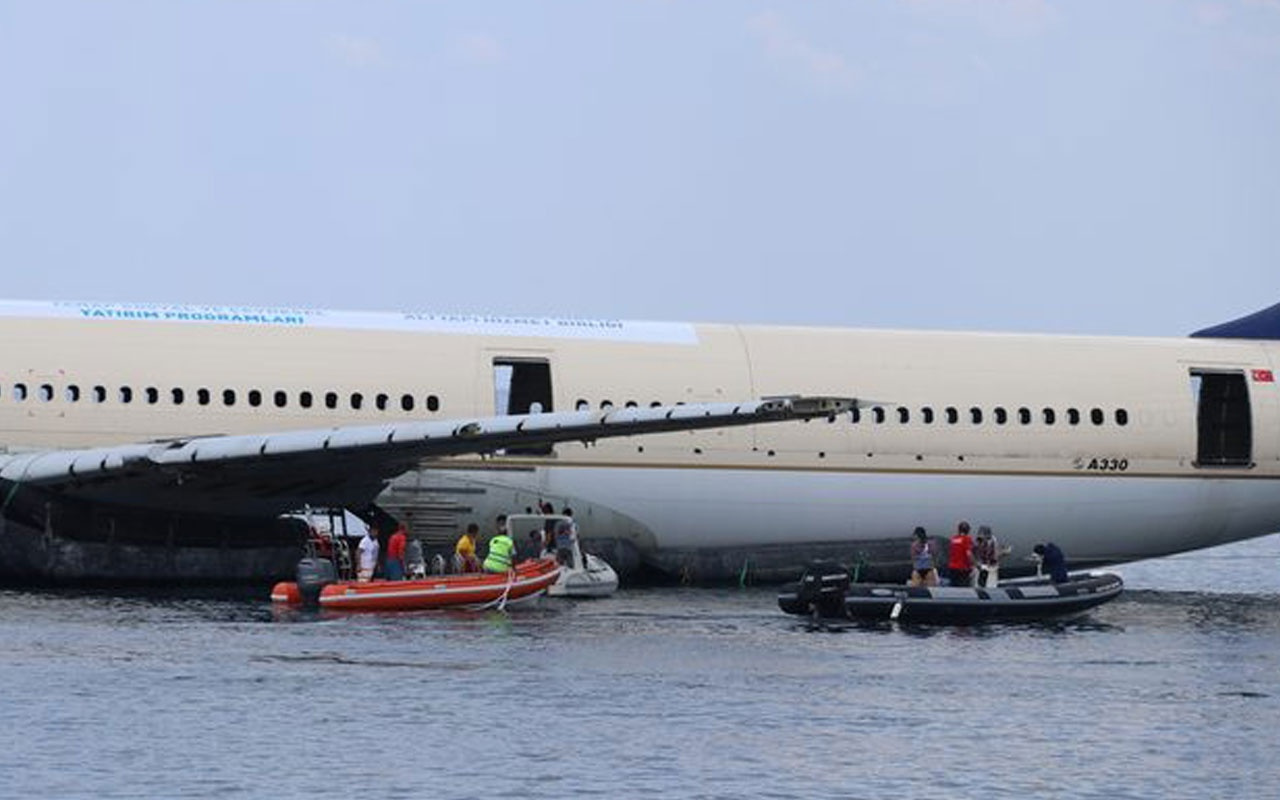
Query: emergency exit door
[(1224, 421)]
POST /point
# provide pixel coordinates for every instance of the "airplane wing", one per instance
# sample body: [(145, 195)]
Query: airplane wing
[(272, 473)]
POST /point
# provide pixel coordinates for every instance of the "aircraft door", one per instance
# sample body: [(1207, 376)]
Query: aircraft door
[(1224, 420), (522, 385)]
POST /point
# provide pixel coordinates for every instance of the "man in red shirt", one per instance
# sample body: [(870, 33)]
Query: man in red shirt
[(960, 556), (395, 554)]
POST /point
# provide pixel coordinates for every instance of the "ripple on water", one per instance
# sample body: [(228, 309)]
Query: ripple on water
[(683, 693)]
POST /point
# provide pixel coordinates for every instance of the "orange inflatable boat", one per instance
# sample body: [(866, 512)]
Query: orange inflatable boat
[(470, 590)]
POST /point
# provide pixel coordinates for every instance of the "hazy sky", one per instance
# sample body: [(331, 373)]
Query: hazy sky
[(1093, 167)]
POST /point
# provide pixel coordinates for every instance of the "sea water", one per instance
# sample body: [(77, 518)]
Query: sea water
[(1171, 691)]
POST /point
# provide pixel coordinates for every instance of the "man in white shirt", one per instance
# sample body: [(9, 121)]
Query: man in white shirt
[(368, 555)]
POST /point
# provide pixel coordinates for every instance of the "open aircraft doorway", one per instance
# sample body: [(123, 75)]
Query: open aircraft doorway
[(1224, 422), (523, 386)]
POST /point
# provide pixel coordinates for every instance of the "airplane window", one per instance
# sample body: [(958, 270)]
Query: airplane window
[(281, 398), (178, 396), (904, 415), (1073, 416), (153, 395), (581, 405), (1024, 416), (331, 400), (606, 405), (202, 396), (72, 393), (255, 398), (1002, 416), (406, 402), (19, 391), (1050, 416), (975, 414), (927, 414), (655, 404), (1122, 417), (357, 400), (1097, 417), (228, 397), (878, 414), (46, 392), (632, 404), (855, 416), (304, 399), (126, 394), (953, 416), (99, 394), (381, 402), (433, 403)]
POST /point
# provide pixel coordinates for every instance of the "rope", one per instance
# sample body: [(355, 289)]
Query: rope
[(501, 602), (858, 565)]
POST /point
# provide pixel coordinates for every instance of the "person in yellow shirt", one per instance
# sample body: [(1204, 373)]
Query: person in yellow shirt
[(465, 550)]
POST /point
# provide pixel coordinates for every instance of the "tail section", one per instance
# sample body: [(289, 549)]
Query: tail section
[(1264, 324)]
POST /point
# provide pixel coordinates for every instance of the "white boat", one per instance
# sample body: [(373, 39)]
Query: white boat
[(583, 574), (595, 578)]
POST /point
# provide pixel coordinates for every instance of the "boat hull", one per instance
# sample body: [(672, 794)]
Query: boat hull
[(1013, 601), (530, 579), (598, 579)]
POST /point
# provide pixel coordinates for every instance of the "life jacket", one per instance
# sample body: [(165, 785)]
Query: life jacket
[(499, 558)]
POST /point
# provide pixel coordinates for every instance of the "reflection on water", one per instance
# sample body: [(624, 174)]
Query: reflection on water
[(655, 692)]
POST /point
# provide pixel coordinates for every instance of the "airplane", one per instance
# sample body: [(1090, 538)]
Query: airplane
[(148, 442)]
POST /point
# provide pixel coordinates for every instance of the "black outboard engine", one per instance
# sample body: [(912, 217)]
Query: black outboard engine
[(822, 589), (313, 575)]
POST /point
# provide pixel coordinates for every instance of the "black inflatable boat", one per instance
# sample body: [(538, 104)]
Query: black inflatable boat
[(825, 592)]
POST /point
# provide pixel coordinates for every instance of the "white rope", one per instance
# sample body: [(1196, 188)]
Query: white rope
[(501, 602)]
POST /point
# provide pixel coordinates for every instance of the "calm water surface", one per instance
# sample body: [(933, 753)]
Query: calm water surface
[(1171, 691)]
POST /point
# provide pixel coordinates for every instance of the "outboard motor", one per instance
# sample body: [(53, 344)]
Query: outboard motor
[(822, 589), (313, 575)]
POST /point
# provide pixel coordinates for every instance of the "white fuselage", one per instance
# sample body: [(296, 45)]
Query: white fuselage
[(1107, 446)]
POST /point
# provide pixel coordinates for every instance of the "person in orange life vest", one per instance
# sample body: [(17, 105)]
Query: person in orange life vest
[(395, 554), (960, 556)]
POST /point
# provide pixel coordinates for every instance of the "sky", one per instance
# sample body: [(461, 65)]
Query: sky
[(1008, 165)]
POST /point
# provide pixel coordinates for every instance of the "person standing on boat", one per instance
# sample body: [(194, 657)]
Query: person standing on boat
[(395, 554), (368, 548), (986, 557), (1052, 561), (548, 527), (564, 542), (922, 571), (502, 550), (960, 556)]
